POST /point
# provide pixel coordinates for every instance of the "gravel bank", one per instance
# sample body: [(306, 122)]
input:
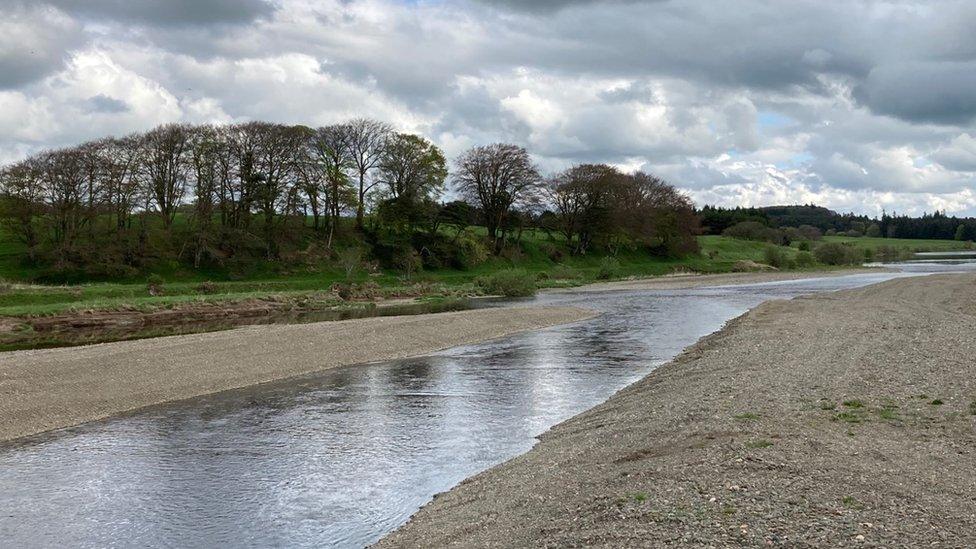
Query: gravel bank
[(841, 419), (690, 281), (49, 389)]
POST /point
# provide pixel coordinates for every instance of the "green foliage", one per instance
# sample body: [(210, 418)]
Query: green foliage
[(805, 260), (833, 253), (350, 259), (778, 257), (508, 283), (803, 246), (154, 284), (609, 268), (753, 230), (758, 444), (207, 288), (565, 272)]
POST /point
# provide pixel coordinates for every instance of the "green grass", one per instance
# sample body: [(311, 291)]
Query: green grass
[(909, 244), (748, 416), (271, 280), (758, 444)]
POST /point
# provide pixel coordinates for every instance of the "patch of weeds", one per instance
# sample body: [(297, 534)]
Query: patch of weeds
[(758, 444), (851, 503), (828, 405), (855, 404), (747, 416), (972, 408), (889, 412), (923, 396), (937, 402), (848, 417), (639, 497), (728, 509)]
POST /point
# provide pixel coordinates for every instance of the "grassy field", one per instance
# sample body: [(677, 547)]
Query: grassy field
[(183, 286)]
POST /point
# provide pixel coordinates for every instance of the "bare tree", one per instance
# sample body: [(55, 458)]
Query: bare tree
[(121, 172), (23, 195), (366, 142), (497, 177), (333, 150), (166, 166)]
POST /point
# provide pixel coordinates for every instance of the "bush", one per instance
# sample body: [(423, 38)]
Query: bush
[(509, 283), (609, 268), (804, 246), (777, 257), (154, 284), (833, 253), (753, 230), (471, 252), (206, 288), (805, 260), (350, 259), (565, 272), (809, 232)]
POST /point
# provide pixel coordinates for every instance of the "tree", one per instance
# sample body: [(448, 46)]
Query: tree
[(412, 171), (583, 199), (497, 177), (23, 194), (333, 151), (165, 155), (366, 140), (411, 168)]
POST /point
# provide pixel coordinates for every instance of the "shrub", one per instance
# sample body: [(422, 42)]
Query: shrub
[(509, 283), (809, 232), (609, 268), (804, 246), (805, 260), (155, 285), (833, 253), (350, 259), (471, 252), (777, 257), (753, 230), (565, 272), (206, 288), (409, 261)]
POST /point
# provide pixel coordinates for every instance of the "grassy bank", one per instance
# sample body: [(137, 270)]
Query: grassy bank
[(316, 286)]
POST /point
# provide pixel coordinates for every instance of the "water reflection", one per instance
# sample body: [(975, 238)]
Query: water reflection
[(342, 457)]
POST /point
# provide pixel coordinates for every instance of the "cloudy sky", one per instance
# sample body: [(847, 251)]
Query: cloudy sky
[(854, 105)]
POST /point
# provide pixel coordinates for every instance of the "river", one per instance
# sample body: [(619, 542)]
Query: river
[(344, 456)]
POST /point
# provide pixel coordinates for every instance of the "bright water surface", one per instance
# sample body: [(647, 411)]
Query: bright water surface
[(342, 457)]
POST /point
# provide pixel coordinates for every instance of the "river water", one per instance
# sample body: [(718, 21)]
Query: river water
[(342, 457)]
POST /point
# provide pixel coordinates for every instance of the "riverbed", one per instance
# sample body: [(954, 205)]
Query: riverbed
[(342, 457)]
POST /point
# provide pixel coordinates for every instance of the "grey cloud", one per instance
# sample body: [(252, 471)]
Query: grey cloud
[(34, 42), (105, 104), (939, 92), (168, 12)]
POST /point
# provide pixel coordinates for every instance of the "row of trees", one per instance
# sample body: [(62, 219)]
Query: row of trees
[(207, 194), (938, 225), (234, 182)]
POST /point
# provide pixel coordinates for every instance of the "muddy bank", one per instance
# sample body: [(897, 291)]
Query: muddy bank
[(48, 389), (85, 327), (843, 419)]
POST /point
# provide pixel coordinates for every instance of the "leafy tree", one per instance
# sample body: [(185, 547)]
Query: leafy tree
[(497, 178)]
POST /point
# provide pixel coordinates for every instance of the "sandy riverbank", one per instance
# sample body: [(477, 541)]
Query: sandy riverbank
[(49, 389), (842, 419)]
